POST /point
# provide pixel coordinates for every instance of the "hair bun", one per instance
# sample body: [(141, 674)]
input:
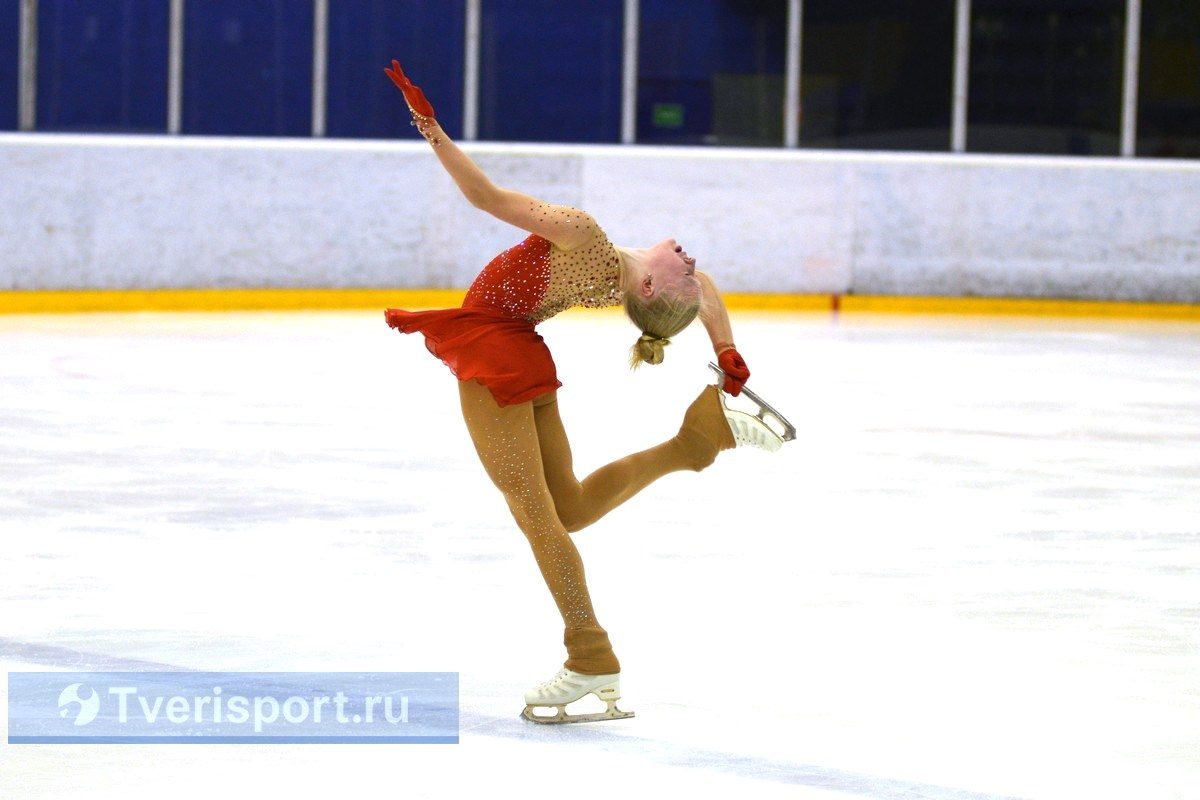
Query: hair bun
[(647, 349)]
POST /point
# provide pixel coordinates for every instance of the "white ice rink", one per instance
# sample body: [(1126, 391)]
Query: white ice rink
[(976, 574)]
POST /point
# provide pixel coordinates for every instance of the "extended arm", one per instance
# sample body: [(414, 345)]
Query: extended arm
[(713, 314), (716, 321), (564, 226)]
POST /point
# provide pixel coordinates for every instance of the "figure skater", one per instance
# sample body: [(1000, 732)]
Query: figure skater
[(507, 387)]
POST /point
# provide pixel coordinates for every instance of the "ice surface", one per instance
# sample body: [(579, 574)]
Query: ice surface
[(976, 574)]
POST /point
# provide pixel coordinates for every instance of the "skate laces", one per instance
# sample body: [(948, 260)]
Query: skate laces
[(750, 430), (556, 680)]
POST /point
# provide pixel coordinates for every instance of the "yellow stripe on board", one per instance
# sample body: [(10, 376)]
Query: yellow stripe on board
[(38, 302), (1018, 306), (777, 302), (63, 302)]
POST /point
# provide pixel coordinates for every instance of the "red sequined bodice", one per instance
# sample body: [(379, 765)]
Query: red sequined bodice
[(514, 281), (536, 279)]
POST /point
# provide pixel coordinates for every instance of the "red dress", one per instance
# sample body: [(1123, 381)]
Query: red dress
[(492, 338)]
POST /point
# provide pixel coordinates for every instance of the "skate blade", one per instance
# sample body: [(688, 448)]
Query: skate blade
[(782, 430), (563, 718)]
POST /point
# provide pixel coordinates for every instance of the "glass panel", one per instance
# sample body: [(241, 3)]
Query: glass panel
[(711, 72), (551, 71), (878, 75), (102, 65), (1169, 83), (10, 46), (247, 67), (425, 36), (1046, 76)]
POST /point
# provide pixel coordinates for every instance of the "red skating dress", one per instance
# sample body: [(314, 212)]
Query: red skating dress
[(492, 337)]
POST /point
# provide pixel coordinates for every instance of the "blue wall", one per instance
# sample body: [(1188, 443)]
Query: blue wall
[(684, 43), (248, 67), (1045, 74), (551, 71), (10, 43), (102, 65), (425, 36)]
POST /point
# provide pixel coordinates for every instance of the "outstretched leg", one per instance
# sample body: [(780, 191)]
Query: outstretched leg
[(580, 503), (507, 442)]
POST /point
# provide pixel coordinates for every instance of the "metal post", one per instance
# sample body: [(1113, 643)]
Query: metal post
[(175, 69), (27, 90), (791, 81), (1129, 93), (471, 72), (962, 64), (629, 72), (320, 64)]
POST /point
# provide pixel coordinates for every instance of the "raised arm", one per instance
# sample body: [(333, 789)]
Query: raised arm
[(564, 226), (716, 321)]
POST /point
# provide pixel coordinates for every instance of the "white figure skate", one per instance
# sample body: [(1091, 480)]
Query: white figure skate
[(567, 687), (752, 429)]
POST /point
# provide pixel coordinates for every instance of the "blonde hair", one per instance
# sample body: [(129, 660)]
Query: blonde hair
[(658, 319)]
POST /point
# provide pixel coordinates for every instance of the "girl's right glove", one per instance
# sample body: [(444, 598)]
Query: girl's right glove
[(413, 95)]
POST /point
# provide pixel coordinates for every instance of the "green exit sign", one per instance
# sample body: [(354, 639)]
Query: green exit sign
[(668, 115)]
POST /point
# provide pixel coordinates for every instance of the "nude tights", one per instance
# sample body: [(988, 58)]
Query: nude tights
[(525, 451)]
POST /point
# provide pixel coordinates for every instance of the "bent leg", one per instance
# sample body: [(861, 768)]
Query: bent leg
[(507, 443), (580, 503)]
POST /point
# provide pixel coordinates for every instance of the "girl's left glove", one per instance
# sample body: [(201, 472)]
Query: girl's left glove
[(413, 95), (736, 373)]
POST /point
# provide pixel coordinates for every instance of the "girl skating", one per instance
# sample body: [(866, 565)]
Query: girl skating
[(508, 388)]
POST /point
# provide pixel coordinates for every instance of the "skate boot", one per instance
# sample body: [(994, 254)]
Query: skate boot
[(752, 429), (567, 687)]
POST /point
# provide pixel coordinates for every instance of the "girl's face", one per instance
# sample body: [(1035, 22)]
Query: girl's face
[(670, 268)]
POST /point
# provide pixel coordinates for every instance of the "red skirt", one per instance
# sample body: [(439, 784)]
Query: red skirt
[(503, 353)]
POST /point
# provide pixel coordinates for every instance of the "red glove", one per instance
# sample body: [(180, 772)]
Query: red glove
[(736, 373), (412, 93)]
